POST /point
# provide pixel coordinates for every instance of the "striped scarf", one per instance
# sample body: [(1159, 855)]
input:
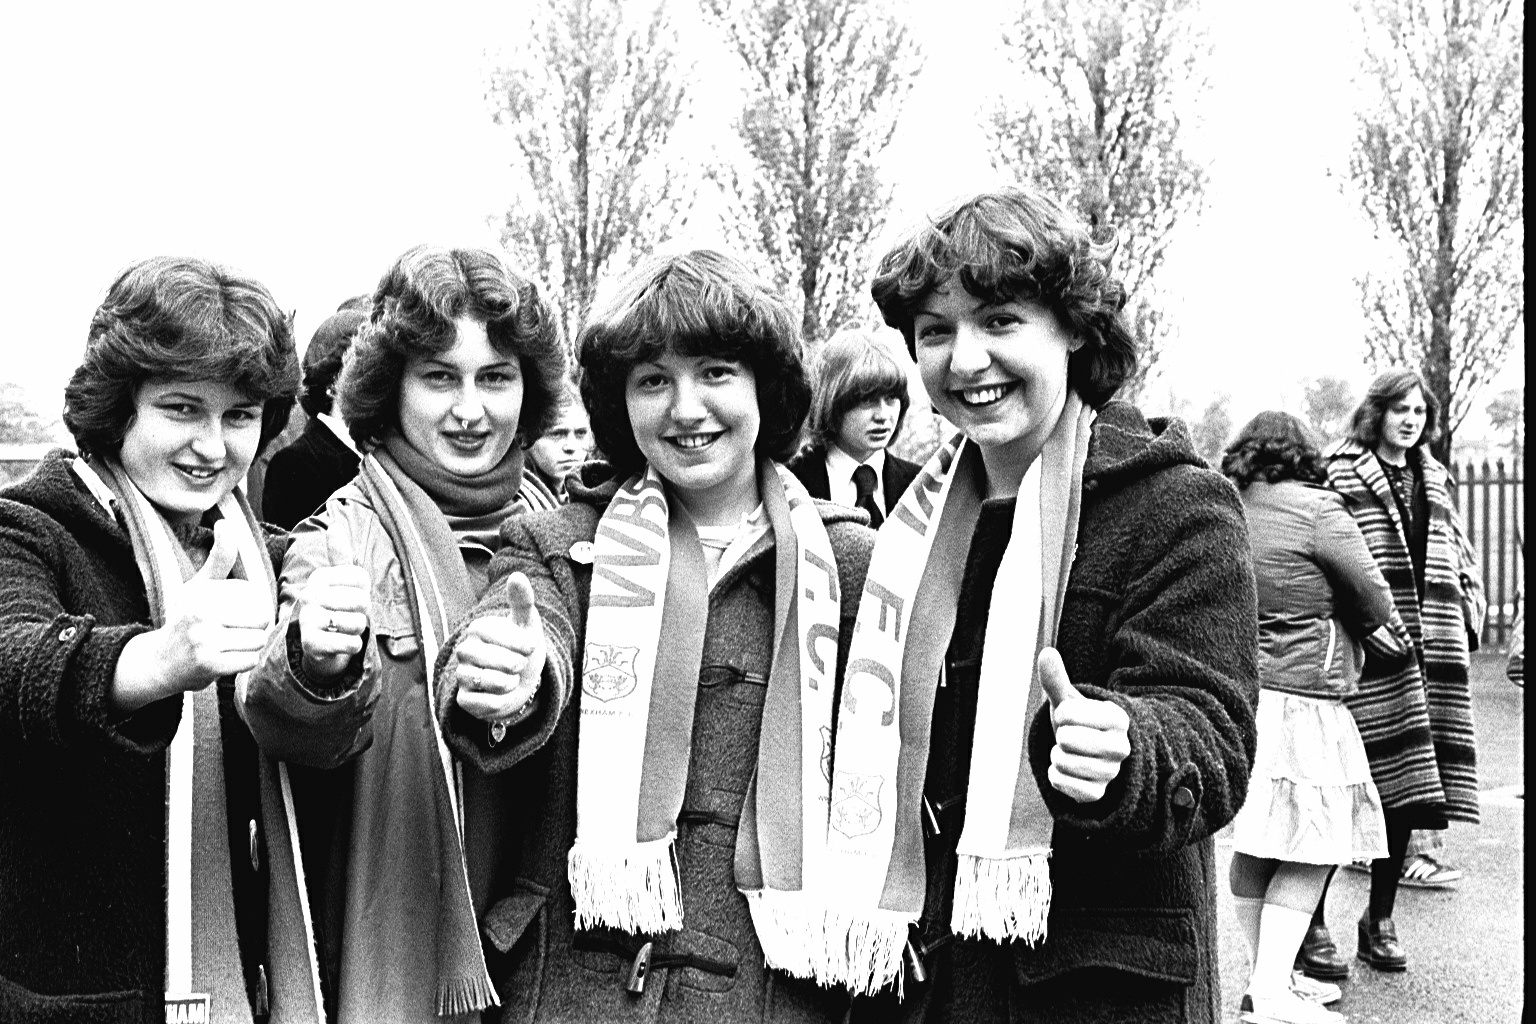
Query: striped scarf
[(1416, 718)]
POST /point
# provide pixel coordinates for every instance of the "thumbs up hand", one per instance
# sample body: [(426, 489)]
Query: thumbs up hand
[(215, 627), (332, 609), (1092, 736), (500, 659)]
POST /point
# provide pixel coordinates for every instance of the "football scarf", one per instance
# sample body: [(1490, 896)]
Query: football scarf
[(905, 618), (202, 951), (644, 642)]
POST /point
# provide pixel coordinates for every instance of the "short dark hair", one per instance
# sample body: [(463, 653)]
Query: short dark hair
[(184, 319), (1390, 387), (323, 357), (414, 309), (1274, 446), (696, 304), (1013, 245), (852, 367)]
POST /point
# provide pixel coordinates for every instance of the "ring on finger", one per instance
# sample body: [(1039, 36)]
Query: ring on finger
[(331, 625)]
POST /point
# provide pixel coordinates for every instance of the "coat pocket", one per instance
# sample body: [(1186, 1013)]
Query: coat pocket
[(23, 1006), (1153, 943), (517, 935)]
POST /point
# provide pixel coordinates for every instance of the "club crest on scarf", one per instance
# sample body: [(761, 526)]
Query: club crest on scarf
[(856, 803), (608, 672)]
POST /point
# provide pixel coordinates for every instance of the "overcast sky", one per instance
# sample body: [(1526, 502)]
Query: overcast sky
[(309, 144)]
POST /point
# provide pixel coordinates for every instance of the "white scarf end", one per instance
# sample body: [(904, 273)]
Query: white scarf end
[(633, 888), (1004, 898), (831, 946)]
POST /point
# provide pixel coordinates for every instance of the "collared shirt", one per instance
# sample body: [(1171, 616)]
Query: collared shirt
[(724, 545), (840, 467), (339, 428)]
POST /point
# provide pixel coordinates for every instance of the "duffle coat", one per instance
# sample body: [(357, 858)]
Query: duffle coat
[(83, 804), (1160, 617), (712, 970)]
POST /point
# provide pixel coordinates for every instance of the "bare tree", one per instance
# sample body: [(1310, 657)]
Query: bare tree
[(1212, 430), (19, 423), (826, 80), (1439, 164), (590, 101), (1507, 414), (1094, 122), (1328, 403)]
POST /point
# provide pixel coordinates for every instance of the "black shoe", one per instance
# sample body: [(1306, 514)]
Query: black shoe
[(1379, 946), (1319, 958)]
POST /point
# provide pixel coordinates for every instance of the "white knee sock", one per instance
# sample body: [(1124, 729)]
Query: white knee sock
[(1248, 909), (1281, 930)]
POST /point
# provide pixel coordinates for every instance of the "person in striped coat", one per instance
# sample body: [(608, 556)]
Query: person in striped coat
[(1415, 714)]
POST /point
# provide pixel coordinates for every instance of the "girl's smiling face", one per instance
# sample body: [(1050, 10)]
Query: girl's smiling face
[(997, 371), (695, 419), (189, 443)]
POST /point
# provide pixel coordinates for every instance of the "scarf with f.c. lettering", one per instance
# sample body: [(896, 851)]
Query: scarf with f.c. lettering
[(644, 642), (906, 616)]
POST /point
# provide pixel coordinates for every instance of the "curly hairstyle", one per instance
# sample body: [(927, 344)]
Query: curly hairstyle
[(323, 357), (1391, 387), (700, 303), (180, 318), (414, 309), (1274, 446), (1014, 245), (853, 367)]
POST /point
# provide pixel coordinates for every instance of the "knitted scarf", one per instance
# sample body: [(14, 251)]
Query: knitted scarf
[(202, 950), (473, 506), (906, 615), (409, 795), (644, 642)]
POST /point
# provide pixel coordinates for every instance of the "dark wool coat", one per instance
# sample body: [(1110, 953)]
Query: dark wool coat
[(301, 476), (712, 971), (1159, 617), (82, 805), (810, 467), (1416, 715)]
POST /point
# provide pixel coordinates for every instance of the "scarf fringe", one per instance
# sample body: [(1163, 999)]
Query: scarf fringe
[(831, 946), (466, 995), (634, 889), (1003, 898)]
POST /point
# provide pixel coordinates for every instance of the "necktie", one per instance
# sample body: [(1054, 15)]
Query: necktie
[(864, 482)]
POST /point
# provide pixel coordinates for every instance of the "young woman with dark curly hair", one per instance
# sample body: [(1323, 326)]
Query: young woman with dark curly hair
[(1311, 803), (680, 622), (137, 823), (1049, 704), (458, 361)]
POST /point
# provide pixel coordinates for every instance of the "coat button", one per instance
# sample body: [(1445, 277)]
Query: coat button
[(1183, 799), (68, 634)]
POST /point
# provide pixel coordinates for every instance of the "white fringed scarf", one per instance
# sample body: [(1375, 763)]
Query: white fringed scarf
[(644, 643), (906, 616)]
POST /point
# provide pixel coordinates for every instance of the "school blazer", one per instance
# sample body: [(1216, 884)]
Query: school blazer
[(810, 467)]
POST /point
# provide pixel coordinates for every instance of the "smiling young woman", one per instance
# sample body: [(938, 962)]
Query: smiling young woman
[(685, 614), (136, 585), (459, 361), (1067, 581)]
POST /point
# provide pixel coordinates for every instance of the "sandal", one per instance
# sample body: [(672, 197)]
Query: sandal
[(1422, 871)]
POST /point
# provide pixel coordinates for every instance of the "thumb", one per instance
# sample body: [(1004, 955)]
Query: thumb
[(222, 558), (519, 599), (338, 542), (1053, 678)]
